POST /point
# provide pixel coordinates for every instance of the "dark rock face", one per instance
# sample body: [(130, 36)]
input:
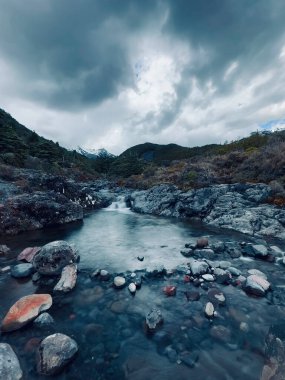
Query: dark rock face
[(33, 211), (53, 257), (9, 364), (240, 207), (54, 353)]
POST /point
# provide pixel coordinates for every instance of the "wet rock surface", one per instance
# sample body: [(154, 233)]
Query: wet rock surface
[(53, 257), (54, 353), (9, 364), (241, 207), (22, 270)]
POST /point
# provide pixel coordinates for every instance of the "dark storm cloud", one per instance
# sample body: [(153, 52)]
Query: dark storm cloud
[(78, 48), (116, 70), (249, 30)]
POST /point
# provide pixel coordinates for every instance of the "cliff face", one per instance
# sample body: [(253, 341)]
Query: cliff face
[(241, 207)]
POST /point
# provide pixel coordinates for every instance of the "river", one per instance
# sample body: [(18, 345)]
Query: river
[(108, 324)]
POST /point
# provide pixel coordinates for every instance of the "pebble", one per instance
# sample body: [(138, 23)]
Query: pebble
[(234, 271), (132, 288), (209, 310), (43, 320), (208, 277), (202, 242), (198, 267), (216, 296), (104, 275), (67, 280), (153, 319), (258, 273), (169, 290), (224, 264), (119, 282)]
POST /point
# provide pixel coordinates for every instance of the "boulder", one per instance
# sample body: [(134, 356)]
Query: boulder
[(256, 285), (208, 277), (25, 310), (67, 280), (22, 270), (54, 353), (28, 254), (53, 257), (258, 273), (9, 364)]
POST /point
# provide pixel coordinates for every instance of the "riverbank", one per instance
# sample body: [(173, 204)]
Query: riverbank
[(241, 207)]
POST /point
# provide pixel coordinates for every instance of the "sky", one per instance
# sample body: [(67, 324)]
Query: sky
[(117, 73)]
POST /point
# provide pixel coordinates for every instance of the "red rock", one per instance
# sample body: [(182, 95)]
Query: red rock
[(187, 278), (28, 254), (25, 310), (202, 242), (169, 290)]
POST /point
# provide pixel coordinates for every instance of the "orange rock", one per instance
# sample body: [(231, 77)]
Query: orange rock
[(25, 310)]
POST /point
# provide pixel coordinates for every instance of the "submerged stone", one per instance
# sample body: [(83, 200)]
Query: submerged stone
[(153, 319)]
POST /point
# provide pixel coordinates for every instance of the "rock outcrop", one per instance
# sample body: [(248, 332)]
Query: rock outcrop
[(241, 207)]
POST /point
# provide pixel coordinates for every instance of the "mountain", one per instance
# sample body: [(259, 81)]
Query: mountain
[(95, 153), (21, 147)]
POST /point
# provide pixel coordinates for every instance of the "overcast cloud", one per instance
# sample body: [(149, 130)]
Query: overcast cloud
[(116, 73)]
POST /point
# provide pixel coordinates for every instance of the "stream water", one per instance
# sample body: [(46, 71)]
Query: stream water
[(108, 324)]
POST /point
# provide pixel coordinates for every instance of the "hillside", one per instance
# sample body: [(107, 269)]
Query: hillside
[(21, 147)]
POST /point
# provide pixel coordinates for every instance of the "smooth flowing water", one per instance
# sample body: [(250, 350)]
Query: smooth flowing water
[(108, 324)]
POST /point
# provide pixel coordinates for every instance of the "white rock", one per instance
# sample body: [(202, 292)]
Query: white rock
[(6, 269), (132, 288), (119, 282), (257, 273), (208, 277), (209, 310)]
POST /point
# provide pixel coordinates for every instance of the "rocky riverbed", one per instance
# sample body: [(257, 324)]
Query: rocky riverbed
[(217, 316)]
